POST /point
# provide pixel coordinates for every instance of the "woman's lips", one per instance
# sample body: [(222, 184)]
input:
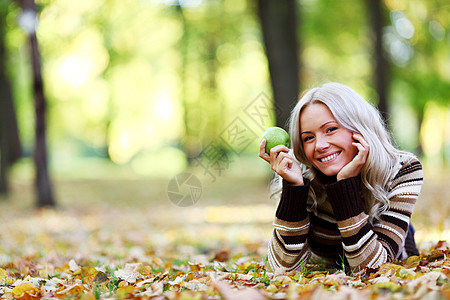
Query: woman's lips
[(329, 157)]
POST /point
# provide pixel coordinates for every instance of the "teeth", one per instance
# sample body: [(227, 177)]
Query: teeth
[(325, 159)]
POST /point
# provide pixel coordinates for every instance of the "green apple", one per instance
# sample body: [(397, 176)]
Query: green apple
[(275, 136)]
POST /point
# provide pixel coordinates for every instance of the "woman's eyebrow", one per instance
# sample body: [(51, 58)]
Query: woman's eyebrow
[(321, 126), (326, 123)]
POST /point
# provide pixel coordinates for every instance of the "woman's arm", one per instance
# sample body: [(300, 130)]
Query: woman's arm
[(288, 247), (367, 246)]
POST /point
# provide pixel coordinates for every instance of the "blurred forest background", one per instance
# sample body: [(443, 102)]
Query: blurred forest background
[(138, 91)]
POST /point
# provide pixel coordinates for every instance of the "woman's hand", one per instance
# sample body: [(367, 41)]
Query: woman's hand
[(282, 163), (354, 167)]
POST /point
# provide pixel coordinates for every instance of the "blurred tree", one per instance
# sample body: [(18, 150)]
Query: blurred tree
[(10, 146), (43, 181), (417, 44), (190, 144), (381, 68), (279, 29), (208, 39)]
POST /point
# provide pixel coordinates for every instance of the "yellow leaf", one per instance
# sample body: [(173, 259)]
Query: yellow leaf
[(96, 278), (25, 287), (387, 286), (272, 288), (281, 280), (185, 296), (315, 274), (124, 292), (389, 268), (406, 274), (88, 296), (146, 270), (412, 262), (246, 265), (73, 291), (3, 276), (88, 271), (123, 283)]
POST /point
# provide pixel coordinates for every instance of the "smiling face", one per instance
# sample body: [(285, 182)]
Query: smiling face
[(327, 144)]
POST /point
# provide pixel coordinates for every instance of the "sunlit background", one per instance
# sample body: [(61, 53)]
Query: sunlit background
[(137, 89)]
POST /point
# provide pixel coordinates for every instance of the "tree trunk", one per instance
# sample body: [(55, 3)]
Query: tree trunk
[(380, 62), (10, 147), (43, 182), (279, 27)]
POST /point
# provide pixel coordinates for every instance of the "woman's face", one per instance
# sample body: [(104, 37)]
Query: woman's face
[(327, 144)]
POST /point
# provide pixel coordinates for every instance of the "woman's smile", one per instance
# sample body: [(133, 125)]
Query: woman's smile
[(329, 157)]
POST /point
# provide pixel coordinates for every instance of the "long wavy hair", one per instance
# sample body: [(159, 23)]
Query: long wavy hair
[(354, 113)]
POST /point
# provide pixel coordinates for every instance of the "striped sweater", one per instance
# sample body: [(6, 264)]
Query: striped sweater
[(339, 226)]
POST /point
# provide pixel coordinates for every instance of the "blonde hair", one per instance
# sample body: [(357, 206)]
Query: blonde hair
[(354, 113)]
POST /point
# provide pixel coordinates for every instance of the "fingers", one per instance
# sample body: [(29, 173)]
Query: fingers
[(262, 151), (361, 157), (361, 140), (274, 152), (363, 147), (281, 161)]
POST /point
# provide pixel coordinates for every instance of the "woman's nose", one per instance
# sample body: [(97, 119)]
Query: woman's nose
[(321, 143)]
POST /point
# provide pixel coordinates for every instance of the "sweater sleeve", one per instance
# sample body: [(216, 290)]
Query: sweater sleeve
[(367, 246), (288, 246)]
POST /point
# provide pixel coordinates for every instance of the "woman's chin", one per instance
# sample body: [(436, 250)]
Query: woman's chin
[(329, 171)]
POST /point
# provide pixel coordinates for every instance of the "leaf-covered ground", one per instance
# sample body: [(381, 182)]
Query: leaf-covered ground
[(129, 246)]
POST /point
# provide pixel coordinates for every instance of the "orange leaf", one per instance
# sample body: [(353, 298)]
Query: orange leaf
[(73, 291)]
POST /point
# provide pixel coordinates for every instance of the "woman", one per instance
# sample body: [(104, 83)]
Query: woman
[(347, 194)]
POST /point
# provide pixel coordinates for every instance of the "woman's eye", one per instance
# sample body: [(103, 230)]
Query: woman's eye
[(331, 129), (307, 138)]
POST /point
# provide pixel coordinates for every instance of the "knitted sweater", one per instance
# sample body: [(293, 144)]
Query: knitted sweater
[(339, 225)]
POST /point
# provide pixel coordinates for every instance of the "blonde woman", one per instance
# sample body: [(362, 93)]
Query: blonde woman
[(345, 192)]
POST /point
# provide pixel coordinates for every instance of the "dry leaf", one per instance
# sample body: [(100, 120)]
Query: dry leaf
[(3, 276), (73, 291), (245, 293), (436, 254), (389, 269), (73, 266), (25, 287), (411, 262)]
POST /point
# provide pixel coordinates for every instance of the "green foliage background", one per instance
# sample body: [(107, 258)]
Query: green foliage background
[(148, 84)]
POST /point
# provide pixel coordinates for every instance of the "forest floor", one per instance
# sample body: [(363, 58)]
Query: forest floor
[(125, 239)]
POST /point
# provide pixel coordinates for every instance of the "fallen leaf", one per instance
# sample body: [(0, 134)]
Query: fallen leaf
[(411, 262), (389, 269), (3, 276), (125, 292), (442, 245), (436, 254), (245, 293), (24, 287), (222, 256), (391, 286), (73, 266), (73, 291), (428, 280)]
